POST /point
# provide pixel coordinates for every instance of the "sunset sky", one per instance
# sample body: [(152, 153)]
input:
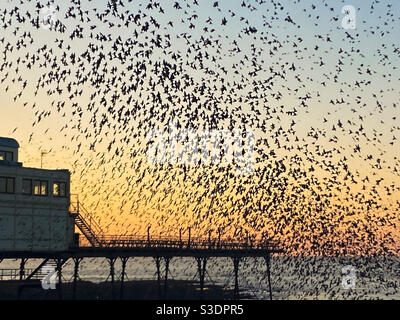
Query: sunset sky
[(322, 100)]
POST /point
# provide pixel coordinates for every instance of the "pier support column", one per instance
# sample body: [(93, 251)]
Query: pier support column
[(166, 261), (111, 262), (22, 268), (190, 236), (77, 261), (157, 260), (201, 267), (59, 263), (124, 260), (236, 261), (268, 263)]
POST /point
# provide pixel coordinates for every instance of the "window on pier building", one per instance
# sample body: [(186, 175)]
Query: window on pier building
[(27, 186), (7, 185), (60, 189), (40, 188), (6, 155)]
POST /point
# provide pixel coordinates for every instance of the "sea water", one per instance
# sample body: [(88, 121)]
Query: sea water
[(291, 277)]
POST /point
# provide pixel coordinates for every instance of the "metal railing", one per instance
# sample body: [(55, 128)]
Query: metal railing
[(184, 243), (13, 274), (97, 238), (76, 207)]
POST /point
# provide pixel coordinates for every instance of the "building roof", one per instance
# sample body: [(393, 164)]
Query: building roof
[(8, 142), (6, 163)]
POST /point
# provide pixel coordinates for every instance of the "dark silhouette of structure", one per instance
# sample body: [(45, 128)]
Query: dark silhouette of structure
[(162, 250)]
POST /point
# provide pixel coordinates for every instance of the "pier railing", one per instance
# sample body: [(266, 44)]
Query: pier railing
[(184, 243), (95, 237), (13, 274)]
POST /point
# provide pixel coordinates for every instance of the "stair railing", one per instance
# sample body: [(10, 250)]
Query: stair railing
[(96, 232)]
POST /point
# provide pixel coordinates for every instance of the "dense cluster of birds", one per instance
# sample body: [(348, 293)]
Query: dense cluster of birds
[(322, 101)]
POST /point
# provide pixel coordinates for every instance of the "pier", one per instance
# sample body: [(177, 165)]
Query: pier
[(162, 250), (41, 218)]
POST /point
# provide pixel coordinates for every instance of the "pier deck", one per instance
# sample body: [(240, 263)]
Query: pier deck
[(161, 250)]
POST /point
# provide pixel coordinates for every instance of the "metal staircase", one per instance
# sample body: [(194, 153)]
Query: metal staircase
[(89, 234), (39, 273), (87, 224)]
